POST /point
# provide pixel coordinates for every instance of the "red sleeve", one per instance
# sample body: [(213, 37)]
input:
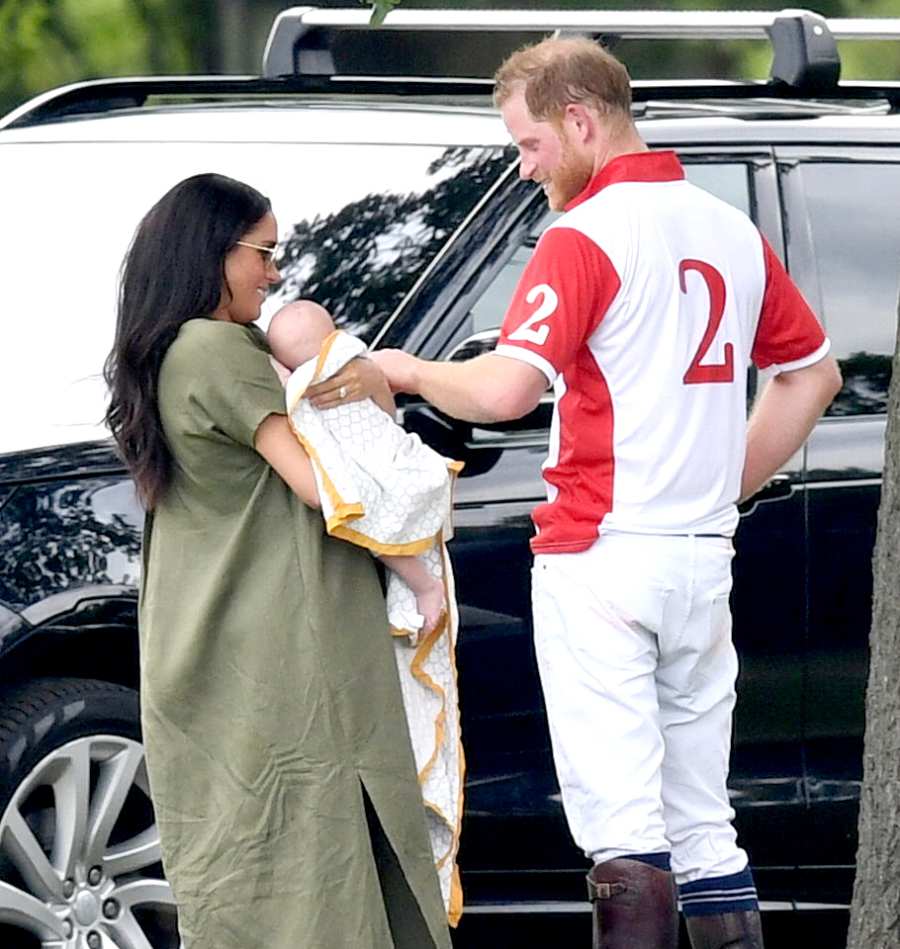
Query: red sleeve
[(788, 330), (562, 295)]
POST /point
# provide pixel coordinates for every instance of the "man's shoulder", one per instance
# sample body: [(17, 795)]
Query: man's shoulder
[(596, 227), (600, 218)]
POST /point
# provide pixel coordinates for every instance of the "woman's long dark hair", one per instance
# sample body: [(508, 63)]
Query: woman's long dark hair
[(173, 272)]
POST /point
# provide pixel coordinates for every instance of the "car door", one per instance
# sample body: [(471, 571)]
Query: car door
[(844, 247), (514, 819)]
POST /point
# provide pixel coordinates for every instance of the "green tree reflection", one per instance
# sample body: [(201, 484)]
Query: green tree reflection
[(867, 377), (52, 537), (360, 261)]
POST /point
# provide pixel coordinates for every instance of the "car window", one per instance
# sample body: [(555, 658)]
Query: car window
[(357, 224), (856, 252), (727, 180)]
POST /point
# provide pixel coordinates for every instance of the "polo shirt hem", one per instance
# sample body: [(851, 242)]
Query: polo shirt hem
[(526, 355), (816, 356)]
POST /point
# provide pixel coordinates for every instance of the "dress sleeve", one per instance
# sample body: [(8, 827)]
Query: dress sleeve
[(563, 294), (233, 387)]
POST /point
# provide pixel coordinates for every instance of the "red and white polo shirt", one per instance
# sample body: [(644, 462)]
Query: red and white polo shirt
[(643, 305)]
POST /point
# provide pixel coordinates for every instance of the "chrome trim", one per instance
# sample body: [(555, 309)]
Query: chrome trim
[(561, 907), (654, 24), (836, 483)]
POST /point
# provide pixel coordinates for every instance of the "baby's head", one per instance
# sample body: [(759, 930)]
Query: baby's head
[(297, 331)]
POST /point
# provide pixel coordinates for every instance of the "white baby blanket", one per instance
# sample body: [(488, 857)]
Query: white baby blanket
[(382, 488)]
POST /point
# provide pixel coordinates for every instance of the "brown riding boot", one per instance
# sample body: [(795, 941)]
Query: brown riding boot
[(633, 906), (726, 931)]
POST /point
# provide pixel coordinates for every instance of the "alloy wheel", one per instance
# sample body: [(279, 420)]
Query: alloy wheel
[(79, 853)]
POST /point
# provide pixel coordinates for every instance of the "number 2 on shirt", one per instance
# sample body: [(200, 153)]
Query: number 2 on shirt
[(715, 284), (549, 303)]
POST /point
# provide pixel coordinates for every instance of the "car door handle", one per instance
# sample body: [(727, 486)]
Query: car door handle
[(780, 486)]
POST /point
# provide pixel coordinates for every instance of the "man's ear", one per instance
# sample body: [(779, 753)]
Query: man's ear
[(580, 122)]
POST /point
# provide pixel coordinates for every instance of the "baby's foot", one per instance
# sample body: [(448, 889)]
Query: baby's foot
[(431, 604)]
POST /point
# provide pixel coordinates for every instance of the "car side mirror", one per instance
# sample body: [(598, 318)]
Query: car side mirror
[(475, 345), (536, 421), (478, 445)]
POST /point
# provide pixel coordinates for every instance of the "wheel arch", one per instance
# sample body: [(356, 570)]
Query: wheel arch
[(85, 633)]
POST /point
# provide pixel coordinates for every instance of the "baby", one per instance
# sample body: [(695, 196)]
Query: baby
[(381, 487)]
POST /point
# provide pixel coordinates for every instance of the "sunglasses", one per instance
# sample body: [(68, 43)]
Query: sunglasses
[(267, 252)]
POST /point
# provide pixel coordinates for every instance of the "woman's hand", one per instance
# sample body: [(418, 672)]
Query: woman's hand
[(359, 379)]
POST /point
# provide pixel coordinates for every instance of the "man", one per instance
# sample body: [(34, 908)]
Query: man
[(642, 305)]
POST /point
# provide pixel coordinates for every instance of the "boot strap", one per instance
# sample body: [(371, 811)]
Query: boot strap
[(603, 891)]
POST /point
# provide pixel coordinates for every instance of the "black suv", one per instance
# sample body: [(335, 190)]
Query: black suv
[(400, 209)]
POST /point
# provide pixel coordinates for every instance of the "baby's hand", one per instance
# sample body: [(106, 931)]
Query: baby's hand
[(281, 371)]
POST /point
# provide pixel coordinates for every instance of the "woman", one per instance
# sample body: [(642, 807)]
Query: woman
[(277, 747)]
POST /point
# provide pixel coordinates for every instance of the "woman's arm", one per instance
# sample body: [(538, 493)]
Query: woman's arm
[(279, 446)]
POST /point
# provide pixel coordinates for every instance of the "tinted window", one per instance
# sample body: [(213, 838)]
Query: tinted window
[(358, 224), (856, 245), (727, 181), (360, 260)]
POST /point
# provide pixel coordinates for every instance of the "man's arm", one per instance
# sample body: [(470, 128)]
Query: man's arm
[(489, 388), (783, 417)]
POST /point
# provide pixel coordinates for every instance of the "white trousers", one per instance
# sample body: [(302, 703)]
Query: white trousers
[(633, 642)]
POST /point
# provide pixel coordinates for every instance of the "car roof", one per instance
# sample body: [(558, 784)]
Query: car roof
[(338, 121), (321, 120)]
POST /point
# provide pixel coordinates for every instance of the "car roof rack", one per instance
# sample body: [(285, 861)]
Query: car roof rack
[(99, 96), (311, 40), (804, 62)]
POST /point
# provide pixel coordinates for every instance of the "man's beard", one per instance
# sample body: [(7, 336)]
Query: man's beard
[(569, 179)]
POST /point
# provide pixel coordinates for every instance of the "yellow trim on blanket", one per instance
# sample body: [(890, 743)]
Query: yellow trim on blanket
[(402, 550), (327, 343), (455, 910), (343, 512), (337, 501), (293, 406), (422, 652), (440, 722), (443, 627)]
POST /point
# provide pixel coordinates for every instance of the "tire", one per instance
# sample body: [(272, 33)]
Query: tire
[(79, 849)]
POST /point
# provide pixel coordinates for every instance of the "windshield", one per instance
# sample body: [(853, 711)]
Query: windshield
[(357, 226)]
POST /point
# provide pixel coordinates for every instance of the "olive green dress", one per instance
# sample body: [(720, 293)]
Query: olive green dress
[(277, 747)]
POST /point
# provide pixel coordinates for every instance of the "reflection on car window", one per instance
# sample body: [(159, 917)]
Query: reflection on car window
[(728, 181), (358, 224), (856, 245), (63, 532), (361, 259)]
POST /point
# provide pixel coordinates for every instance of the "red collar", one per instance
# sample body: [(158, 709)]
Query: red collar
[(635, 166)]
